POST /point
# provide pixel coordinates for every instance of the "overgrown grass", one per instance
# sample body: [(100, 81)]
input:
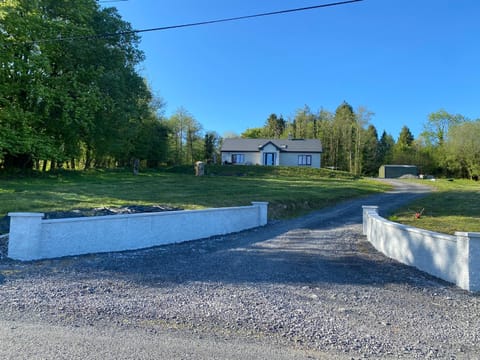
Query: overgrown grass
[(454, 206), (290, 191)]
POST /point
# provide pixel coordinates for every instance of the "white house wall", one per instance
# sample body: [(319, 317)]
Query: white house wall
[(250, 158), (253, 158), (270, 149), (282, 158), (291, 159)]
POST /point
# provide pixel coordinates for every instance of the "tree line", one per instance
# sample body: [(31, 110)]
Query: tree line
[(447, 146), (71, 97)]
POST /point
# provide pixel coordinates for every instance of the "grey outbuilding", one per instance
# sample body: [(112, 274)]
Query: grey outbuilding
[(397, 171)]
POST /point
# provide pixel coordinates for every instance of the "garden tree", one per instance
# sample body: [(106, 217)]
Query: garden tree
[(274, 126), (463, 149), (64, 96), (385, 149), (185, 142), (370, 153)]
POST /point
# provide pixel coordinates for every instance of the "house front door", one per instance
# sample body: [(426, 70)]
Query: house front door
[(269, 159)]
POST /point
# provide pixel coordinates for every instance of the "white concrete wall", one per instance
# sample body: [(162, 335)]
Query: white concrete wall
[(452, 258), (32, 237)]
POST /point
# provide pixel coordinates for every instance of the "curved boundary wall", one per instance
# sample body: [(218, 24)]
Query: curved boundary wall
[(32, 238), (454, 258)]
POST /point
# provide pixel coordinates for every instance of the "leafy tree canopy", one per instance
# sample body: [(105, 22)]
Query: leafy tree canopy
[(66, 91)]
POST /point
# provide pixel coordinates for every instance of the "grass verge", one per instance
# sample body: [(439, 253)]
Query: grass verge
[(290, 191), (454, 206)]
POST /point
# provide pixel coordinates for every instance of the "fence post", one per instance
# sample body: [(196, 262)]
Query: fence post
[(366, 210), (262, 212), (468, 244), (24, 236)]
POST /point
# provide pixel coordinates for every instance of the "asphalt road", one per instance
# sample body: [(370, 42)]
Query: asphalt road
[(31, 340)]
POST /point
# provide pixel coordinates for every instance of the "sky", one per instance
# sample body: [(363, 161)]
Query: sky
[(400, 59)]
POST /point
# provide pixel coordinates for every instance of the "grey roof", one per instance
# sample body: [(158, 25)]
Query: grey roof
[(284, 145)]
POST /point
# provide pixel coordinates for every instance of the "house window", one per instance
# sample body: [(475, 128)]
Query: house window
[(238, 158), (305, 160)]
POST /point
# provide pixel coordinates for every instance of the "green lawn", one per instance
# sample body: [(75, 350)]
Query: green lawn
[(454, 206), (290, 191)]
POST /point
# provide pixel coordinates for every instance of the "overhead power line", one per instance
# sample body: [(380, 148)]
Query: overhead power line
[(200, 23), (247, 16)]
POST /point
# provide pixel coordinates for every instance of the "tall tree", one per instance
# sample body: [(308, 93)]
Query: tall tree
[(435, 135), (463, 149), (304, 124), (343, 132), (212, 140), (21, 83), (254, 133), (70, 93), (325, 134), (371, 158), (186, 143), (274, 126), (436, 128), (362, 119), (404, 152), (385, 148), (405, 139)]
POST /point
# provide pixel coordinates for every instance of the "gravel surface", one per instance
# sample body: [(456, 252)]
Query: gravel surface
[(311, 286)]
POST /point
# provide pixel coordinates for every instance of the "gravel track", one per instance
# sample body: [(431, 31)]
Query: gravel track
[(305, 288)]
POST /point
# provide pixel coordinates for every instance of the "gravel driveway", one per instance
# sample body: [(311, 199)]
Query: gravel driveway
[(306, 288)]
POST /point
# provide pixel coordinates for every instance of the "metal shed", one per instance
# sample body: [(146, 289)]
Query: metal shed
[(396, 171)]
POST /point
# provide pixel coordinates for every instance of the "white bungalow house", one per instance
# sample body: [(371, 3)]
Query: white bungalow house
[(272, 152)]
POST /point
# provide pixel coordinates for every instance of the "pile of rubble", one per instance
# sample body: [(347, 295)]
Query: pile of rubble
[(103, 211)]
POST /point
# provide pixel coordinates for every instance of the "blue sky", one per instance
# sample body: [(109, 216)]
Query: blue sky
[(401, 59)]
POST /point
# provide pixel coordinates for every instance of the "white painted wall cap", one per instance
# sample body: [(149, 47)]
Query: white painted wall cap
[(25, 214)]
